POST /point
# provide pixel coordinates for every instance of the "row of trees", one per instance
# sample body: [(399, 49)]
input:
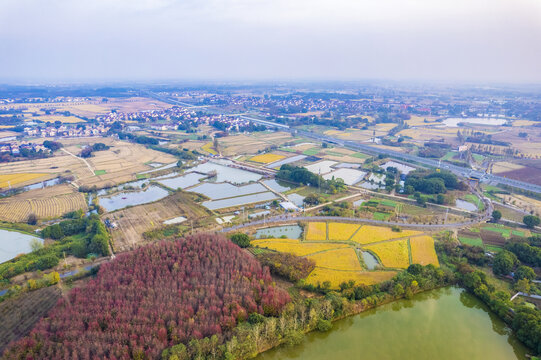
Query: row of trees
[(156, 297)]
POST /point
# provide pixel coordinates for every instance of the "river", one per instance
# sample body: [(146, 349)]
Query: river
[(444, 324)]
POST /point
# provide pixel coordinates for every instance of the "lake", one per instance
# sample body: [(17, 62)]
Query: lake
[(443, 324), (290, 231), (132, 198), (453, 122), (13, 243)]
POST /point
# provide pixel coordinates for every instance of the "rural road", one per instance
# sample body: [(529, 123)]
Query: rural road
[(287, 218), (80, 158)]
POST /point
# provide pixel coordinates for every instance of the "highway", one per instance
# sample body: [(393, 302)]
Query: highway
[(366, 148)]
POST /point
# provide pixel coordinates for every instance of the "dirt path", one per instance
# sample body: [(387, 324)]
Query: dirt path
[(80, 158)]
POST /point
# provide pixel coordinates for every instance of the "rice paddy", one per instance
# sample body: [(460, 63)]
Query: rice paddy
[(267, 158), (14, 179), (336, 249)]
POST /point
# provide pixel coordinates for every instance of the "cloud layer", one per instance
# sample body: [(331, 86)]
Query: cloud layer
[(449, 40)]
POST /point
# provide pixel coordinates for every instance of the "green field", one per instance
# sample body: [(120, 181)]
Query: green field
[(493, 248), (141, 176), (311, 152), (100, 172), (381, 216), (471, 241), (360, 156), (449, 155)]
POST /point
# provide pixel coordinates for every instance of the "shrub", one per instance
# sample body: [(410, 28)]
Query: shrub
[(287, 265), (241, 240), (324, 325)]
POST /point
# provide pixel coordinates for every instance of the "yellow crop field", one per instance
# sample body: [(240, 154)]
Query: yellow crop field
[(14, 210), (338, 259), (422, 251), (296, 247), (371, 234), (267, 158), (341, 231), (316, 231), (524, 123), (392, 254), (336, 277), (15, 179), (62, 119), (209, 147)]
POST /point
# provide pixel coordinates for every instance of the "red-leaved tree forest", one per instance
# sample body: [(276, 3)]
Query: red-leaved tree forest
[(152, 298)]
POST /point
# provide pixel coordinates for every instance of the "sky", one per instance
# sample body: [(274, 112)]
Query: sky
[(464, 41)]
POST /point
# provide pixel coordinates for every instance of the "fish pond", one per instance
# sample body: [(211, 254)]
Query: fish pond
[(227, 173), (443, 324), (132, 198), (13, 243), (290, 232)]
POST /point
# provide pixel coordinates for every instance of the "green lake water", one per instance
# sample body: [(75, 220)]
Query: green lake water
[(444, 324)]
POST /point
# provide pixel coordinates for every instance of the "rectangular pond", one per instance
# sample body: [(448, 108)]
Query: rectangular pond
[(238, 201), (225, 190), (182, 182), (278, 186), (290, 231), (132, 198), (226, 173)]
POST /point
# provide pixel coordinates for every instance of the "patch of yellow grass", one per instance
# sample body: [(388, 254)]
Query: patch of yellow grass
[(371, 234), (296, 247), (316, 231), (209, 147), (267, 158), (524, 123), (338, 259), (336, 277), (62, 119), (422, 251), (15, 179), (392, 254), (341, 231)]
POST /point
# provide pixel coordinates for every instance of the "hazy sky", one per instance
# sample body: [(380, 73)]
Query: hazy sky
[(449, 40)]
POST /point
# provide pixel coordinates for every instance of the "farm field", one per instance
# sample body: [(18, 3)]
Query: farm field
[(134, 221), (251, 144), (296, 247), (342, 231), (21, 178), (316, 231), (48, 203), (339, 262), (422, 251), (371, 234), (336, 277), (344, 259), (267, 158), (392, 254), (121, 162), (209, 147)]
